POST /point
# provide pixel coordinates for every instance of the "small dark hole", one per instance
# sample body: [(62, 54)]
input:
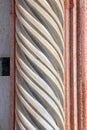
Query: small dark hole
[(5, 66)]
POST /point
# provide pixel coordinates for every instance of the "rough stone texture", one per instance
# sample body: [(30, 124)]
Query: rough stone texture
[(4, 52)]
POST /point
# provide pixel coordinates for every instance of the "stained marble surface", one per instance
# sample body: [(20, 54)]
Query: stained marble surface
[(4, 52)]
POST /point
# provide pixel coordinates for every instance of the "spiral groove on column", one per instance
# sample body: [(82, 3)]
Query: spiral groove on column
[(39, 63)]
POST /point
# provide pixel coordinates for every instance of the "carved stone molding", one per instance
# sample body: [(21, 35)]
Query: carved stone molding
[(75, 65), (39, 65), (75, 58)]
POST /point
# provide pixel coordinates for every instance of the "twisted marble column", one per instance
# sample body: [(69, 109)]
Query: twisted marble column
[(39, 63)]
